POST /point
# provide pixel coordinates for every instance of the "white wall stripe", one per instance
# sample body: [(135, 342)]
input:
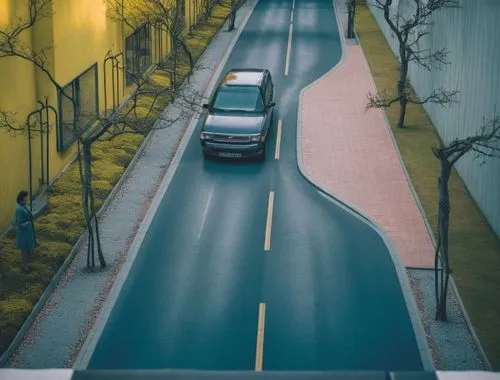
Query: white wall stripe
[(467, 375), (31, 374)]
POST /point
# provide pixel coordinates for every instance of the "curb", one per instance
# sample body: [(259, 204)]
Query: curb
[(418, 328), (422, 211), (4, 358)]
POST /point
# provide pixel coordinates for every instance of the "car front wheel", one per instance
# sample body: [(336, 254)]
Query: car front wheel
[(262, 156)]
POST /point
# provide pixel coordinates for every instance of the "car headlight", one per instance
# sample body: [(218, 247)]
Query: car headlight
[(255, 138), (205, 136)]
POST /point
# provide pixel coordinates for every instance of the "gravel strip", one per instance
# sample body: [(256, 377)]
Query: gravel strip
[(451, 343), (59, 330)]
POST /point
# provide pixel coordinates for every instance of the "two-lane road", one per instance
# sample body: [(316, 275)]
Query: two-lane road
[(246, 266)]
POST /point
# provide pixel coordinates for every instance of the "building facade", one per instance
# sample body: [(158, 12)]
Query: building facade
[(471, 34), (85, 49)]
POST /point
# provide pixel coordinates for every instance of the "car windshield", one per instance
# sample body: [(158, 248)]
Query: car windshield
[(239, 98)]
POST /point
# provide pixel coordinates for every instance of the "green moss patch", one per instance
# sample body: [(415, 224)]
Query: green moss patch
[(474, 247), (62, 223)]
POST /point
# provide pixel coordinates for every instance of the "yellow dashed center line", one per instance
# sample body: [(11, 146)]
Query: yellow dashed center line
[(278, 141), (269, 222), (289, 49), (259, 352)]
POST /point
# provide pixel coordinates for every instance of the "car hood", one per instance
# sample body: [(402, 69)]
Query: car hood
[(234, 123)]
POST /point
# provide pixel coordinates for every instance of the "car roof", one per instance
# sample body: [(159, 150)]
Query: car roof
[(240, 77)]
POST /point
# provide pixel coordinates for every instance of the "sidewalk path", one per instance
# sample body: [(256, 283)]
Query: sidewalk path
[(351, 153)]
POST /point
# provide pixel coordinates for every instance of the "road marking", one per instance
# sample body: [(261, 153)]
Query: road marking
[(278, 141), (289, 49), (293, 4), (259, 352), (207, 205), (269, 223), (291, 16)]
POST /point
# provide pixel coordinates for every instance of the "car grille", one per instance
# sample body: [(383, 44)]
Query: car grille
[(231, 138)]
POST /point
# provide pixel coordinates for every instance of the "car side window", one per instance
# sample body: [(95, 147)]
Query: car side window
[(270, 89), (265, 90)]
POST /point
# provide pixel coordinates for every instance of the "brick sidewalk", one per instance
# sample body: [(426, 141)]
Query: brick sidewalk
[(351, 154)]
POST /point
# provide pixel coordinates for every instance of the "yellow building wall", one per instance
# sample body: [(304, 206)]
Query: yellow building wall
[(79, 34), (17, 95), (75, 36), (83, 36)]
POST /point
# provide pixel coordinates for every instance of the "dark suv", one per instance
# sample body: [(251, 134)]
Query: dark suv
[(239, 114)]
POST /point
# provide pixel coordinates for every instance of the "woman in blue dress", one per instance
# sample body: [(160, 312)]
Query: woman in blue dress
[(25, 237)]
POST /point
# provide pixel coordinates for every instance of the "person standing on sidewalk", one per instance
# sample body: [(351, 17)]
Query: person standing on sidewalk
[(25, 234)]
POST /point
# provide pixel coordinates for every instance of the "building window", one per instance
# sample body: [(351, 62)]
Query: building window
[(138, 53), (80, 99)]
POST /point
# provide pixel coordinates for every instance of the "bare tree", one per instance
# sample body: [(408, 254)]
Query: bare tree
[(351, 14), (137, 116), (485, 144), (409, 31)]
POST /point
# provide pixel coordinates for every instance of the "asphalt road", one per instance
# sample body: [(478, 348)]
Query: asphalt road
[(220, 285)]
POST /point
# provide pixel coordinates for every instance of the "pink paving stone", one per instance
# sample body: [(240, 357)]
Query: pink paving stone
[(350, 153)]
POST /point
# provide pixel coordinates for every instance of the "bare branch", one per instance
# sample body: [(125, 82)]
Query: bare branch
[(427, 58), (381, 100), (486, 143), (378, 4), (416, 40), (9, 123), (439, 96), (434, 5)]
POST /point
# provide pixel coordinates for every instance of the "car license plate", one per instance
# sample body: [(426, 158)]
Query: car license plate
[(231, 155)]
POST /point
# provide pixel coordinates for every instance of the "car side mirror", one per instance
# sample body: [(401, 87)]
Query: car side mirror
[(272, 104), (205, 106)]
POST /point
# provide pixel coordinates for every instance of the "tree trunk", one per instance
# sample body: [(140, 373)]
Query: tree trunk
[(174, 69), (93, 213), (437, 272), (188, 53), (402, 83), (402, 111), (351, 12), (89, 211), (176, 34), (86, 208), (232, 16), (442, 280)]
